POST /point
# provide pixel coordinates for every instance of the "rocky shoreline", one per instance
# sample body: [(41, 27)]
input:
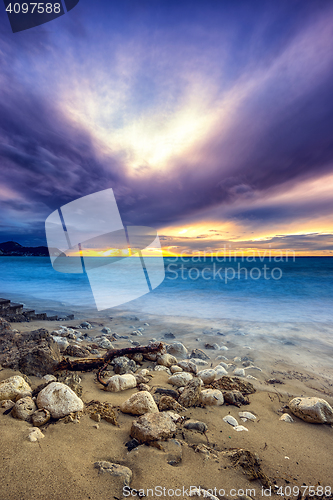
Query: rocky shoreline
[(181, 407)]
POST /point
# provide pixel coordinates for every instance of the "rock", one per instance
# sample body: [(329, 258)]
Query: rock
[(235, 398), (49, 378), (223, 348), (137, 357), (7, 404), (160, 368), (167, 392), (24, 408), (153, 427), (122, 365), (239, 372), (143, 387), (191, 393), (229, 419), (120, 383), (286, 418), (4, 326), (25, 394), (220, 356), (59, 400), (233, 384), (223, 364), (167, 403), (32, 353), (12, 387), (175, 369), (196, 425), (61, 342), (145, 324), (35, 434), (177, 349), (215, 347), (180, 379), (85, 325), (207, 376), (105, 344), (169, 335), (76, 351), (132, 444), (139, 404), (106, 330), (73, 381), (199, 354), (220, 372), (211, 397), (143, 372), (115, 470), (166, 360), (246, 415), (312, 409), (200, 362), (150, 356), (40, 417), (188, 366)]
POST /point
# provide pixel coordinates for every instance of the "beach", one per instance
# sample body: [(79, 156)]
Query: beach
[(297, 454)]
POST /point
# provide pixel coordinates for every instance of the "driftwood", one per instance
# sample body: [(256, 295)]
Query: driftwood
[(88, 364)]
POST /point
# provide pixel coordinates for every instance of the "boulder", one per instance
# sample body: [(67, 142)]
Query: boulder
[(153, 427), (177, 349), (120, 383), (180, 379), (207, 376), (139, 404), (12, 387), (115, 470), (191, 393), (59, 400), (211, 397), (313, 410), (166, 360), (24, 408)]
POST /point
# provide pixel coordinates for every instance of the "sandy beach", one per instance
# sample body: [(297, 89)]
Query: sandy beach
[(61, 465)]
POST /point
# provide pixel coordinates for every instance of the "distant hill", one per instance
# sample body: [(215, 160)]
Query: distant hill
[(14, 249)]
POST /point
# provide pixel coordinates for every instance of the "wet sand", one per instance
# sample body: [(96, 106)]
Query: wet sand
[(60, 466)]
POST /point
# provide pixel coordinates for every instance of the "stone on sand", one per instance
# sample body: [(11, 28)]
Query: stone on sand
[(35, 434), (12, 387), (115, 470), (286, 418), (24, 408), (191, 393), (177, 349), (180, 379), (196, 425), (188, 366), (118, 383), (153, 427), (139, 404), (166, 360), (59, 400), (207, 376), (40, 417), (312, 409), (211, 397)]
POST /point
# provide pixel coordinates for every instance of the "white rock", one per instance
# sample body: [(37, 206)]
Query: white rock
[(239, 428), (211, 397), (35, 434), (313, 410), (200, 362), (220, 356), (239, 372), (175, 369), (118, 383), (247, 415), (49, 378), (61, 342), (220, 372), (160, 368), (105, 344), (207, 376), (251, 378), (223, 364), (253, 368), (229, 419), (12, 387), (286, 418), (143, 372), (180, 379), (223, 348), (166, 360), (178, 349), (59, 400), (139, 404)]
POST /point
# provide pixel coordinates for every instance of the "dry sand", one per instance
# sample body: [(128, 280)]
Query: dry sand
[(60, 466)]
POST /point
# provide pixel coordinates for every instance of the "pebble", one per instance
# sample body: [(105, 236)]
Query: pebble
[(220, 371), (123, 365), (59, 400), (175, 369), (224, 348), (118, 383), (229, 419), (200, 362), (286, 418), (239, 372), (106, 330), (24, 408), (211, 397), (166, 360), (196, 425), (240, 428), (207, 376), (40, 417), (115, 470), (223, 364), (188, 366), (177, 348), (247, 415), (312, 409), (35, 434), (153, 427), (180, 379), (139, 404)]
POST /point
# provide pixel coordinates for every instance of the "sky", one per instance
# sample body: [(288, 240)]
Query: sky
[(212, 121)]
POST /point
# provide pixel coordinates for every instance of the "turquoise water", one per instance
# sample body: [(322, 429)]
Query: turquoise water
[(299, 290)]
